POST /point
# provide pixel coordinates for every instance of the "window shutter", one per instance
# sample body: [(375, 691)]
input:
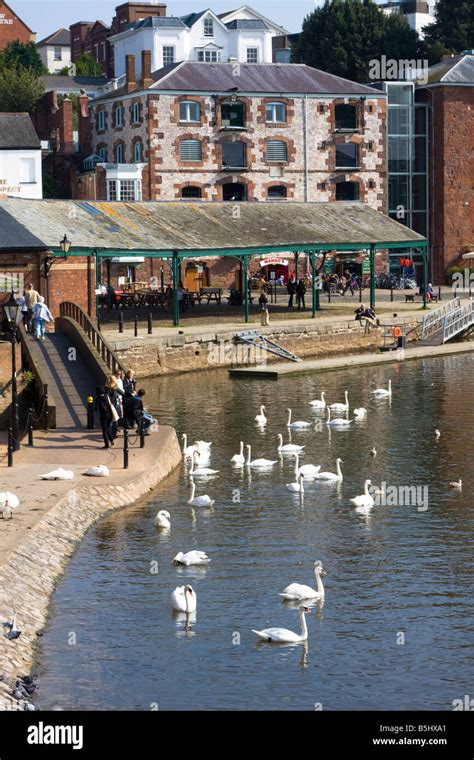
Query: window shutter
[(190, 150), (276, 150)]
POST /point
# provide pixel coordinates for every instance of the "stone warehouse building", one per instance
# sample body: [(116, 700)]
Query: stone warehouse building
[(258, 132)]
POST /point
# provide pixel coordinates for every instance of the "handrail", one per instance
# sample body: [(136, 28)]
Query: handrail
[(457, 322), (74, 312), (44, 405), (433, 323)]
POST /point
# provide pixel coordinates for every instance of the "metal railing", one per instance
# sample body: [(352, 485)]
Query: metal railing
[(432, 323), (44, 406), (74, 312), (456, 322)]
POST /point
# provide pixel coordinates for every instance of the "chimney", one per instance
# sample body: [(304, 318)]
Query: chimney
[(130, 78), (84, 124), (147, 79), (66, 135)]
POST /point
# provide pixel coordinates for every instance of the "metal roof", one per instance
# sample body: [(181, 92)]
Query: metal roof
[(17, 132), (193, 227)]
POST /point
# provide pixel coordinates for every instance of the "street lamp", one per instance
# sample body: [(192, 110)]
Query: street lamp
[(65, 244), (14, 317)]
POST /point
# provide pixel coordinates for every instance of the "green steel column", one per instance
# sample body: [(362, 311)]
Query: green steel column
[(296, 265), (246, 287), (313, 285), (372, 276), (425, 276), (175, 268), (96, 297)]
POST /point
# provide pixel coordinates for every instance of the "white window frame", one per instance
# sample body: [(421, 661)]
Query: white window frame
[(140, 158), (136, 113), (123, 189), (187, 106), (182, 143), (27, 177), (119, 114), (252, 50), (209, 31), (168, 48), (101, 121), (273, 107), (209, 56), (58, 53)]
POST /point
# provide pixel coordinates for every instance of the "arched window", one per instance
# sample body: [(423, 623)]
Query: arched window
[(190, 150), (276, 151), (277, 192), (233, 115), (346, 117), (347, 191), (234, 191), (275, 113), (191, 191), (234, 155), (189, 110), (119, 153), (138, 152)]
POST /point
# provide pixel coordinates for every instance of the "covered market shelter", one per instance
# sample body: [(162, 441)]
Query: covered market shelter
[(179, 230)]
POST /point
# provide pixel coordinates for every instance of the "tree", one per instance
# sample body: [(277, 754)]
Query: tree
[(87, 66), (20, 55), (452, 30), (20, 90), (344, 36)]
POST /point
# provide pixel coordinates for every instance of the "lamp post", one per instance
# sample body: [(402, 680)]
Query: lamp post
[(14, 317), (65, 244)]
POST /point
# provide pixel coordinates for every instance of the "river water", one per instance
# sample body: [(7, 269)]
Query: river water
[(395, 629)]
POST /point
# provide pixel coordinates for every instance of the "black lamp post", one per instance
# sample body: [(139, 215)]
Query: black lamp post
[(14, 317)]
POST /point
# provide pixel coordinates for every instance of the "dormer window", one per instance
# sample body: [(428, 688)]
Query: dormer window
[(208, 27)]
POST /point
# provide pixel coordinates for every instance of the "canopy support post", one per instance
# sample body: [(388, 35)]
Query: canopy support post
[(175, 270), (246, 286), (314, 305), (425, 275), (372, 275)]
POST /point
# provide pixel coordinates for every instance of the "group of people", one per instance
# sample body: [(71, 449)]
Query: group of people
[(120, 404), (296, 289), (35, 312), (332, 283), (367, 314)]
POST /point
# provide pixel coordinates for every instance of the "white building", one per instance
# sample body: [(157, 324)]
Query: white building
[(242, 35), (55, 50), (419, 13), (20, 157)]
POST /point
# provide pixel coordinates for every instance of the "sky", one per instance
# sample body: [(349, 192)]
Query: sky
[(45, 16)]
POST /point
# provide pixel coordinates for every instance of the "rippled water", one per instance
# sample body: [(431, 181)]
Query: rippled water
[(399, 571)]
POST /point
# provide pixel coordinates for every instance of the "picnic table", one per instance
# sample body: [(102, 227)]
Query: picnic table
[(212, 294)]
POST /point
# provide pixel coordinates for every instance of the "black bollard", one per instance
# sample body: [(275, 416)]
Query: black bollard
[(329, 294), (10, 447), (136, 326), (391, 293), (150, 323), (125, 449), (142, 433), (120, 321), (98, 322), (439, 293), (30, 426), (90, 413), (360, 293)]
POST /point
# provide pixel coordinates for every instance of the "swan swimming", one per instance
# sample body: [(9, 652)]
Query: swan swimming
[(338, 422), (194, 557), (341, 407), (200, 501), (162, 519), (456, 485), (298, 424), (183, 599), (331, 475), (99, 471), (366, 499), (283, 635), (373, 452), (260, 418), (262, 462), (308, 471), (201, 471), (297, 487), (319, 403), (437, 434), (288, 448), (203, 446), (58, 474), (299, 592), (360, 413), (188, 451), (239, 459), (383, 392)]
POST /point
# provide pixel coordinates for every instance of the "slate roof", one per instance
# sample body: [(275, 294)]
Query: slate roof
[(51, 82), (458, 69), (166, 22), (191, 18), (246, 23), (17, 132), (202, 226), (15, 236), (60, 37)]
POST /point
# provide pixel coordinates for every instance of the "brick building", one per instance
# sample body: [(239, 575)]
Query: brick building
[(12, 28)]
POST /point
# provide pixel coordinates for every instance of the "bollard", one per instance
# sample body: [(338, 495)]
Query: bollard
[(329, 294), (391, 293), (439, 293), (120, 321), (125, 449), (98, 322), (10, 447), (90, 413), (46, 407), (150, 323), (30, 426), (360, 293), (136, 326), (142, 433)]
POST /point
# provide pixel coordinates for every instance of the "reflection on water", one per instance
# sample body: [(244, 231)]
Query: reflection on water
[(395, 629)]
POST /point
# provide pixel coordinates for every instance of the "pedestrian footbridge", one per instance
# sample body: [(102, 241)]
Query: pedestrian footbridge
[(454, 319)]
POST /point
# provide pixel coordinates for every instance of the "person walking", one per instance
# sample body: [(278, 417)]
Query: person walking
[(300, 292), (348, 285), (41, 314), (31, 298), (115, 395), (104, 407)]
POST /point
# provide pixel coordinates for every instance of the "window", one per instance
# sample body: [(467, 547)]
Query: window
[(27, 171), (189, 111), (101, 120), (234, 191), (168, 55), (58, 53), (252, 55), (136, 113), (191, 192), (103, 155), (119, 154), (138, 152), (119, 116), (208, 27), (209, 56), (276, 151), (234, 155), (347, 156), (399, 155), (346, 118), (124, 190), (277, 192), (347, 191), (275, 113), (190, 150), (233, 115)]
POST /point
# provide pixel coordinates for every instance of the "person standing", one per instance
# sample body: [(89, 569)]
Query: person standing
[(41, 315), (115, 395), (300, 292), (31, 298), (348, 283), (129, 384), (103, 406), (291, 288)]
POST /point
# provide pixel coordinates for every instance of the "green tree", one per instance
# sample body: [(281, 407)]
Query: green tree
[(20, 90), (87, 66), (20, 55), (343, 37), (452, 30)]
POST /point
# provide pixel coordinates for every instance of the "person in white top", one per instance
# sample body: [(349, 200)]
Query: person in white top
[(41, 315)]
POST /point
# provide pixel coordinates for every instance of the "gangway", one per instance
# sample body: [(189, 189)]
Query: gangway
[(253, 338), (448, 321)]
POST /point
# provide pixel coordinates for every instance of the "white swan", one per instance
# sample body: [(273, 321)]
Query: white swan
[(9, 500), (288, 448), (99, 471), (331, 475), (260, 418), (239, 458), (366, 499), (360, 413), (308, 471), (341, 407), (58, 474), (162, 519), (200, 471), (299, 592), (297, 424), (338, 422), (319, 403), (456, 485), (383, 392), (297, 487), (183, 599), (283, 635), (262, 462), (188, 451), (200, 501), (194, 557), (437, 434), (373, 452), (203, 445)]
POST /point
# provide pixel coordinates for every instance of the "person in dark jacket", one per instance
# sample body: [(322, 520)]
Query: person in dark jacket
[(291, 289), (300, 291), (103, 406), (129, 383)]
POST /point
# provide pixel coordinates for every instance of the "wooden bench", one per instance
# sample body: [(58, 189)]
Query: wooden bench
[(410, 298), (212, 294)]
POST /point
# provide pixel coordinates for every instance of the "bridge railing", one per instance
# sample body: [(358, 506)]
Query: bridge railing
[(432, 323), (459, 321), (74, 312)]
